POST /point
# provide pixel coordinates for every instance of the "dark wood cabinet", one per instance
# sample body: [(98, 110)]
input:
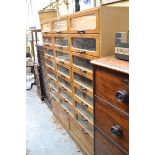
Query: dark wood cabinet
[(111, 106)]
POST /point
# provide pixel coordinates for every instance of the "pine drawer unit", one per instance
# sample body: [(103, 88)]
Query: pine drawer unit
[(84, 21), (111, 106), (60, 25)]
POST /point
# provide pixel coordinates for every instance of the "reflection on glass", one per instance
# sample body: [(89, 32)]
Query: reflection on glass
[(82, 62), (62, 56), (61, 41), (64, 83), (64, 70), (49, 52), (84, 43)]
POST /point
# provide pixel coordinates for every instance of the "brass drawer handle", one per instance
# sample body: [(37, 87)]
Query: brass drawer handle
[(84, 119), (80, 31), (83, 71), (82, 88), (63, 88), (61, 62), (122, 96), (66, 112), (116, 130), (84, 105), (85, 132), (60, 47), (81, 52), (62, 76)]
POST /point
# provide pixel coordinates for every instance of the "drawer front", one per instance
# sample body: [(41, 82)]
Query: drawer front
[(87, 99), (85, 44), (84, 22), (60, 26), (52, 83), (51, 73), (81, 62), (112, 123), (60, 114), (62, 56), (47, 40), (67, 106), (54, 92), (84, 111), (84, 123), (46, 27), (50, 63), (84, 139), (66, 95), (110, 85), (85, 82), (61, 41), (64, 71), (49, 52), (67, 85), (104, 147)]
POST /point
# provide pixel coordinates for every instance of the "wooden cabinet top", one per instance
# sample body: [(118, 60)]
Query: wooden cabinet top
[(112, 63)]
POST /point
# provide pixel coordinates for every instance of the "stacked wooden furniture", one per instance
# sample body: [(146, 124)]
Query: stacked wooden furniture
[(70, 43), (111, 106)]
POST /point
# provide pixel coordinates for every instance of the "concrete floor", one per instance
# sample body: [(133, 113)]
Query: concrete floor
[(45, 136)]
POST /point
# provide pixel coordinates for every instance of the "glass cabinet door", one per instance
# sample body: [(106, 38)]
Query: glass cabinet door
[(49, 52), (50, 63)]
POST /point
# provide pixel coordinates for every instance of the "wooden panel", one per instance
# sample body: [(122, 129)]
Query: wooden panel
[(81, 62), (85, 44), (60, 25), (60, 114), (61, 41), (84, 21), (112, 19), (108, 83), (64, 71), (104, 147), (63, 56), (83, 138), (106, 118)]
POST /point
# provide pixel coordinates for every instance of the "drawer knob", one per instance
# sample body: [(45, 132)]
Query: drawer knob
[(116, 130), (122, 96)]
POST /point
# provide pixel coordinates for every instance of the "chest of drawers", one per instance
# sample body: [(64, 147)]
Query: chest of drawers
[(111, 106)]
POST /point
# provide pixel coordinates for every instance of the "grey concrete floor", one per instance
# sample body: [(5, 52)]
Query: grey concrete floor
[(45, 135)]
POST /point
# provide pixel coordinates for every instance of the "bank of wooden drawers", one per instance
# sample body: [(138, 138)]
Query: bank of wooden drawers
[(84, 21)]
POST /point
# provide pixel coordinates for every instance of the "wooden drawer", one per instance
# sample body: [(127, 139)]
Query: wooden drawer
[(67, 106), (115, 125), (84, 21), (46, 26), (50, 63), (63, 56), (109, 84), (54, 92), (60, 25), (84, 111), (65, 84), (66, 95), (85, 44), (61, 41), (81, 62), (51, 73), (82, 96), (52, 83), (60, 114), (47, 40), (83, 138), (64, 71), (103, 146), (84, 123), (85, 82), (49, 52)]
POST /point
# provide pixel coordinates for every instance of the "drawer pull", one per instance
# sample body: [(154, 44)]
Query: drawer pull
[(62, 76), (64, 100), (81, 52), (63, 88), (59, 32), (84, 105), (80, 31), (82, 71), (82, 88), (61, 62), (116, 130), (60, 47), (66, 111), (122, 95), (84, 119), (84, 131)]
